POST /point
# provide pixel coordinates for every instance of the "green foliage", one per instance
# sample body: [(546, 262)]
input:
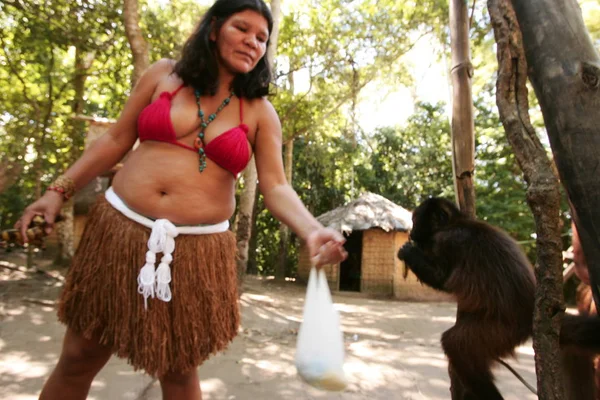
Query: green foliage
[(267, 231), (408, 164), (590, 10), (39, 42), (328, 52), (500, 188), (37, 74), (334, 161), (169, 25)]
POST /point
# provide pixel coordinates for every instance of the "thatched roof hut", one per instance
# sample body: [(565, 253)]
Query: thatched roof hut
[(375, 228), (368, 211)]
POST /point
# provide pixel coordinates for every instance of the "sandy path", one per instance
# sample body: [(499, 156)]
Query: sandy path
[(392, 348)]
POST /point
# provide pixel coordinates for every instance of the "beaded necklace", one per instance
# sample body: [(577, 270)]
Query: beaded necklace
[(199, 141)]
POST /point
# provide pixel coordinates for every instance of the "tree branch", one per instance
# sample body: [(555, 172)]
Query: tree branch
[(543, 194)]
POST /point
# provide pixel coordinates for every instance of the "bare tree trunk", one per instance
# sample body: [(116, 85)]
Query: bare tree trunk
[(247, 197), (40, 142), (272, 50), (9, 172), (83, 62), (65, 229), (139, 47), (463, 136), (252, 268), (564, 69), (284, 231), (243, 223), (543, 195)]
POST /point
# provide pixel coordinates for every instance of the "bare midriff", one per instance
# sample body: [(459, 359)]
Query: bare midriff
[(160, 180)]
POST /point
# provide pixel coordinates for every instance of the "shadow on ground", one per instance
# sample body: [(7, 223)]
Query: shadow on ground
[(392, 347)]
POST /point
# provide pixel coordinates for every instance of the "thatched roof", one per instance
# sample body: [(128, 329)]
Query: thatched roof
[(370, 210)]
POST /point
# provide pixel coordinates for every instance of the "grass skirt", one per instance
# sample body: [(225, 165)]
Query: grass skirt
[(101, 302)]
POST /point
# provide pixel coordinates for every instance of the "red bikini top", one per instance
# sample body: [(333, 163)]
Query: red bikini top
[(229, 150)]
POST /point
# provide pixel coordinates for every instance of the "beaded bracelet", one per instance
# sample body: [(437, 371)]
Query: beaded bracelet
[(64, 185)]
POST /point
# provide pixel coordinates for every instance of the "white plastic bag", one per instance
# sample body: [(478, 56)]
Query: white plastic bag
[(320, 346)]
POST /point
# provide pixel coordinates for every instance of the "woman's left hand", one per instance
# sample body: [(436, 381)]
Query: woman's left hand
[(326, 246)]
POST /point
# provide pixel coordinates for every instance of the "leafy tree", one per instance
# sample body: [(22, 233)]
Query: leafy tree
[(40, 43), (410, 163)]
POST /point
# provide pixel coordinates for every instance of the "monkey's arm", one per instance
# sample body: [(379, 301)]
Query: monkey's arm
[(423, 267)]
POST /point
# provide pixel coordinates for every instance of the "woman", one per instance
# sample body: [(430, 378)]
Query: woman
[(585, 299), (198, 120)]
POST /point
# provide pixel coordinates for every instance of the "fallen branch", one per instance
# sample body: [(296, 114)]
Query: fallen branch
[(14, 267), (41, 302)]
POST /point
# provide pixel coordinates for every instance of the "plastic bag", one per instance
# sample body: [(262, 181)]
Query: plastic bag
[(320, 345)]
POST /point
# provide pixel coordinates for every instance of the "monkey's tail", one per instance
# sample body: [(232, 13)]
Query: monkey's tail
[(581, 331), (519, 377)]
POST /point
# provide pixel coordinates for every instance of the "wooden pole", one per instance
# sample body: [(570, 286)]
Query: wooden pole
[(463, 126)]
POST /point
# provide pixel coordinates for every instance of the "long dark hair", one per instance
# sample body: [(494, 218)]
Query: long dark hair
[(198, 66)]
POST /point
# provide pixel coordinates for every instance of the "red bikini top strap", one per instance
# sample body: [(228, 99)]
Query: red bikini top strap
[(174, 92), (241, 111)]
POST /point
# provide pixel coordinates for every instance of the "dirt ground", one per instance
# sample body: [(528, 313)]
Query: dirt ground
[(392, 347)]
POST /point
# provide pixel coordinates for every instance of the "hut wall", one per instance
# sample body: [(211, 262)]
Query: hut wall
[(331, 271), (378, 262), (381, 269), (410, 288), (303, 264)]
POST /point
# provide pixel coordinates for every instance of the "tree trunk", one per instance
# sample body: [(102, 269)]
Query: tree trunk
[(66, 235), (65, 230), (139, 47), (543, 195), (272, 50), (9, 172), (243, 222), (463, 136), (83, 62), (42, 127), (564, 69), (284, 231), (252, 268), (247, 197)]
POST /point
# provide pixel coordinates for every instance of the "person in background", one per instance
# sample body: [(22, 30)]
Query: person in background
[(584, 297)]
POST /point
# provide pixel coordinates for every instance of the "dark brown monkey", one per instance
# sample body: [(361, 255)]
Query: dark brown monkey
[(494, 285)]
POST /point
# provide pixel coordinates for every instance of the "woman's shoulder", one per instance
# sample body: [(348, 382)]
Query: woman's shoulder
[(261, 105), (264, 114), (160, 69), (159, 76), (165, 64)]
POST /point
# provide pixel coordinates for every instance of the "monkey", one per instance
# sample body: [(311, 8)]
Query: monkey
[(494, 286)]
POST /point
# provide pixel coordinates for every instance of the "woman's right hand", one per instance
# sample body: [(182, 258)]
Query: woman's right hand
[(48, 206)]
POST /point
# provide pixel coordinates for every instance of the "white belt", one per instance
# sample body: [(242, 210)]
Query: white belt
[(155, 281)]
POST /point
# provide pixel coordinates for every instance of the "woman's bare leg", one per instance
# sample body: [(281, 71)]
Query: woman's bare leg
[(184, 386), (80, 360)]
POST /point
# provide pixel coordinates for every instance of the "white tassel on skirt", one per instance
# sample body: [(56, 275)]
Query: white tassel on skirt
[(152, 281)]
